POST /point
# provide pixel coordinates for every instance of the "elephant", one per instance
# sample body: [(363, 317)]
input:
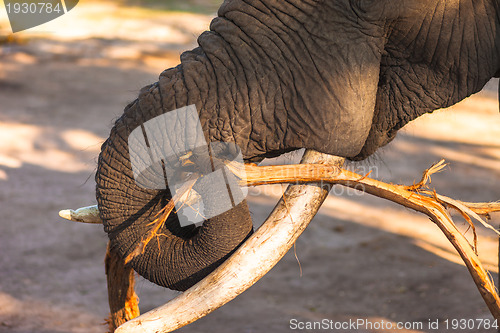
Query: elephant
[(340, 77)]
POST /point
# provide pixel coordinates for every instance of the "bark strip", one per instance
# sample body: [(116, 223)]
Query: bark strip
[(123, 301)]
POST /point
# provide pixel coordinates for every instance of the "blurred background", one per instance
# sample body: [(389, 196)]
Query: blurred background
[(62, 85)]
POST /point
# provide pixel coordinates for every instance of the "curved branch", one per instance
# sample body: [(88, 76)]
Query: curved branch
[(291, 216), (408, 196), (248, 264)]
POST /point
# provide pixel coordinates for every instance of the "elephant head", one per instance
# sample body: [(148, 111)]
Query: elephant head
[(340, 77)]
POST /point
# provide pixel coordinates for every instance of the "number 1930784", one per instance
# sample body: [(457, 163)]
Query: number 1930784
[(33, 8), (470, 324)]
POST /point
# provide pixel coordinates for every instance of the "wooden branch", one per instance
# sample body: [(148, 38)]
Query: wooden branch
[(417, 197), (252, 260), (408, 196)]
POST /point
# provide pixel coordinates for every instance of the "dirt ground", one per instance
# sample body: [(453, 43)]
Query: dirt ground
[(61, 87)]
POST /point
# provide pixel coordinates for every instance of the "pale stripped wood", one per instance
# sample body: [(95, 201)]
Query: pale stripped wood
[(248, 263), (408, 196), (184, 309), (417, 197)]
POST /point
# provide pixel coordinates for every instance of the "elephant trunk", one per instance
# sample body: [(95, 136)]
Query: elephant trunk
[(179, 256)]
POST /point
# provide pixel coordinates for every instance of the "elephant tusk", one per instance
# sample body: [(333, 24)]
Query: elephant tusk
[(88, 214), (248, 264)]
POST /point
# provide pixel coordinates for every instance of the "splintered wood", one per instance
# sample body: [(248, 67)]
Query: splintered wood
[(417, 196)]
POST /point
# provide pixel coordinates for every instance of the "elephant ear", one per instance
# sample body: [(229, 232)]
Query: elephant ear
[(432, 59)]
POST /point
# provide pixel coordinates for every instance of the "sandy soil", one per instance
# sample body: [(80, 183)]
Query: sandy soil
[(65, 82)]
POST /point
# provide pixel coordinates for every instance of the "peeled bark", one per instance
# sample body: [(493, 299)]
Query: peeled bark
[(122, 299)]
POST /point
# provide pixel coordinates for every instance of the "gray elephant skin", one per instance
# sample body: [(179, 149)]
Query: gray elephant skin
[(337, 76)]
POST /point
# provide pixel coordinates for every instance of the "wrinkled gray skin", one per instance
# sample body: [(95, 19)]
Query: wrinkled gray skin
[(338, 76)]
